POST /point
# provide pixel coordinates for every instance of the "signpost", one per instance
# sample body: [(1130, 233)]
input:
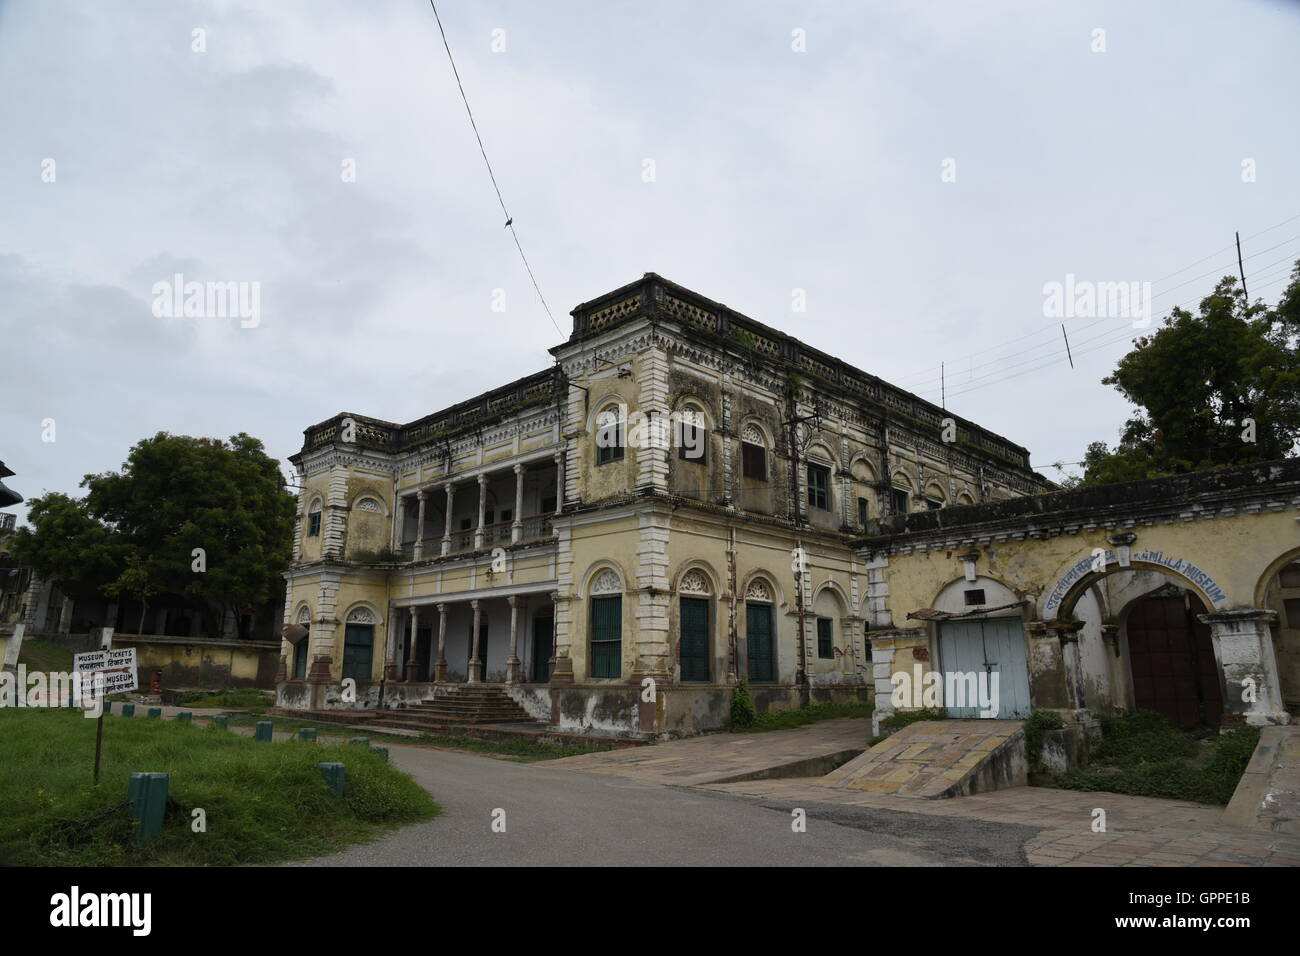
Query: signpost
[(101, 673)]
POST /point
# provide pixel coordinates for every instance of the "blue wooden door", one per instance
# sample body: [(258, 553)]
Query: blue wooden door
[(987, 647)]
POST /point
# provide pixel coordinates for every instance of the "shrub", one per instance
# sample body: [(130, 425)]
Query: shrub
[(743, 713)]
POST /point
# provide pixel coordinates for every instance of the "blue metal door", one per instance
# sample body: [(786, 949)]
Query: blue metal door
[(987, 647)]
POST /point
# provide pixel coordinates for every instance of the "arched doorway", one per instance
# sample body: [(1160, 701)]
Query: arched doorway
[(358, 645), (1281, 594), (1171, 658)]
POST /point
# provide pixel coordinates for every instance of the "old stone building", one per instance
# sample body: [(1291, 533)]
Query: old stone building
[(615, 541), (1180, 595)]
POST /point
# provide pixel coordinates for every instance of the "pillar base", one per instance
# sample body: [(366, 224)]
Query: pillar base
[(562, 671), (282, 672), (514, 670), (475, 671), (440, 672), (321, 666)]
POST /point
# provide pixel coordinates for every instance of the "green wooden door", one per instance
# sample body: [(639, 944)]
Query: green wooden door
[(358, 651), (607, 636), (758, 642), (695, 639)]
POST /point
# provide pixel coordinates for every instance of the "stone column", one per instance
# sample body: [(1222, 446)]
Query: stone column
[(482, 510), (399, 522), (412, 644), (473, 677), (421, 497), (895, 650), (1051, 686), (512, 661), (561, 662), (390, 657), (1243, 646), (517, 526), (446, 533), (440, 668), (559, 482)]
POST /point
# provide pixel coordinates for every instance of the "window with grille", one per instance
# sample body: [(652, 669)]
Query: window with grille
[(899, 499), (607, 636), (819, 487), (609, 437), (825, 639)]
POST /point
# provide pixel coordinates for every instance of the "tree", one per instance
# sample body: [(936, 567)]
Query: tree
[(1217, 388), (190, 519)]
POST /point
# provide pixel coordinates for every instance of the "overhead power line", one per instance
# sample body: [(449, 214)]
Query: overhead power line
[(510, 220)]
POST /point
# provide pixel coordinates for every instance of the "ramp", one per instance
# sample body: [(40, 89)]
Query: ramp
[(1268, 796), (934, 759)]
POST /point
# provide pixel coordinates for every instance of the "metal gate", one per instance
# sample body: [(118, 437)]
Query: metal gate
[(987, 647)]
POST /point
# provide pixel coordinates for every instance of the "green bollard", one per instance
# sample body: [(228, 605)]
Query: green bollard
[(307, 733), (360, 741), (108, 706), (382, 751), (185, 717), (264, 730), (154, 712), (221, 720), (128, 710), (335, 775), (147, 797)]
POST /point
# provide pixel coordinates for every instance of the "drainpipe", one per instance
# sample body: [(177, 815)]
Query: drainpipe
[(805, 690)]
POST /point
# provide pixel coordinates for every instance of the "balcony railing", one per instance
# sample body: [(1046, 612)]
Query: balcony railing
[(498, 534)]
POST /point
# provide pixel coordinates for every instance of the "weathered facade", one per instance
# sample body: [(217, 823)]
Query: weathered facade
[(619, 539), (1180, 595)]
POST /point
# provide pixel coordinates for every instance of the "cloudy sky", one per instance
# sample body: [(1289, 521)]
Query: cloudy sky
[(920, 170)]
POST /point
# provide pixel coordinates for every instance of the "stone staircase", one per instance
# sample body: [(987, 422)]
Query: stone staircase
[(465, 705)]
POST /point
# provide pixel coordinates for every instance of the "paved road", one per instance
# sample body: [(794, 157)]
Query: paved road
[(566, 818)]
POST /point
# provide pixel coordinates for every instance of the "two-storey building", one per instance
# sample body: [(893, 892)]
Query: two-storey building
[(620, 538)]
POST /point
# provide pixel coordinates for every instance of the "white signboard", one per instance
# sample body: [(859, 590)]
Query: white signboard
[(116, 667)]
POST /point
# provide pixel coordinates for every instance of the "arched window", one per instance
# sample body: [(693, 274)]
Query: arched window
[(692, 435), (610, 424), (819, 485), (313, 518), (934, 496), (753, 453), (606, 624), (694, 590), (760, 641)]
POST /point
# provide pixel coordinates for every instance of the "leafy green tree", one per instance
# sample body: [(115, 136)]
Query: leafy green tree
[(67, 543), (191, 519), (1216, 388)]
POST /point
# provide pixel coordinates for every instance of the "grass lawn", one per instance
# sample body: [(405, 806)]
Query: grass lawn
[(787, 719), (1144, 754), (264, 802), (522, 750), (244, 698), (39, 655)]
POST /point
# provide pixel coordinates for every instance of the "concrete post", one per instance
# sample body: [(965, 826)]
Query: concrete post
[(559, 482), (421, 497), (512, 661), (482, 510), (517, 526), (474, 663), (399, 522), (440, 669), (412, 647), (446, 532), (1243, 646)]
